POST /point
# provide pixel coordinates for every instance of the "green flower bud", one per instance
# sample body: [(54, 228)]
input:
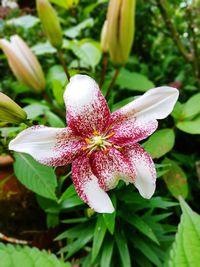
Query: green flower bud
[(120, 29), (72, 3), (10, 111), (23, 63), (50, 22), (104, 37)]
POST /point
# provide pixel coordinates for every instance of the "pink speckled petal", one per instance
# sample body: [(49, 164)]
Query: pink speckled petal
[(87, 109), (88, 187), (132, 131), (156, 103), (49, 146), (112, 166), (145, 180)]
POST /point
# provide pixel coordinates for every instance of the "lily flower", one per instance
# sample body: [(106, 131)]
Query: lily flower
[(102, 147)]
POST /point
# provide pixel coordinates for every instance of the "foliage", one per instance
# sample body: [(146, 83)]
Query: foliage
[(140, 232)]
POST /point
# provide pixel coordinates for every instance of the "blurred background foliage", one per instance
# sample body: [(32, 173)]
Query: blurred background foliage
[(140, 232)]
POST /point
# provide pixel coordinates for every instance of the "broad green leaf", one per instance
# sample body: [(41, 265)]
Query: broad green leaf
[(177, 112), (160, 143), (88, 51), (122, 245), (122, 103), (58, 92), (56, 73), (176, 179), (65, 3), (76, 30), (133, 81), (191, 127), (99, 234), (17, 256), (54, 120), (185, 251), (107, 251), (26, 22), (191, 107), (35, 110), (140, 224), (109, 218), (35, 176), (43, 48)]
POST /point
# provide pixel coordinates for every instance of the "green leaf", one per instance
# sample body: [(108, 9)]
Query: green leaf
[(35, 110), (140, 224), (133, 81), (26, 22), (109, 218), (107, 251), (76, 30), (16, 256), (176, 179), (191, 107), (160, 143), (122, 247), (122, 103), (191, 127), (35, 176), (58, 92), (43, 48), (88, 51), (185, 250), (99, 234), (56, 73), (54, 120)]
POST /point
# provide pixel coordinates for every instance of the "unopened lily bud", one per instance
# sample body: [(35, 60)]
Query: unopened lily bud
[(10, 111), (121, 28), (23, 63), (50, 22), (104, 37)]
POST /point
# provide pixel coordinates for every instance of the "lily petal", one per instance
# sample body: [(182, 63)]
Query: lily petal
[(87, 109), (112, 166), (156, 103), (88, 187), (49, 146), (145, 180), (132, 131)]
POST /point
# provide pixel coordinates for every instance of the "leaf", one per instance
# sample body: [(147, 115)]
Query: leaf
[(123, 247), (140, 224), (107, 252), (122, 103), (75, 31), (99, 234), (160, 143), (26, 22), (54, 120), (16, 256), (109, 218), (88, 51), (191, 107), (43, 48), (35, 110), (133, 81), (56, 73), (191, 127), (58, 92), (176, 179), (35, 176), (185, 251)]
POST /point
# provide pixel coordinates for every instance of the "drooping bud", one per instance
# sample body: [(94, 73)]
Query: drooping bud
[(10, 111), (121, 28), (23, 63), (50, 22), (104, 37)]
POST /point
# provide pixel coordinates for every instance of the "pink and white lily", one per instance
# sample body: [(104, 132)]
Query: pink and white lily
[(102, 147)]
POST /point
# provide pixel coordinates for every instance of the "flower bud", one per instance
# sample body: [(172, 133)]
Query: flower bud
[(50, 22), (72, 3), (104, 37), (121, 28), (23, 63), (10, 111)]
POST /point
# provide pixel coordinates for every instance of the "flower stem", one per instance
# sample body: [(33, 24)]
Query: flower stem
[(103, 69), (112, 83), (62, 61)]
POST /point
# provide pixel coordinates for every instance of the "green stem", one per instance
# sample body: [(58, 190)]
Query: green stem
[(114, 78), (62, 61)]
